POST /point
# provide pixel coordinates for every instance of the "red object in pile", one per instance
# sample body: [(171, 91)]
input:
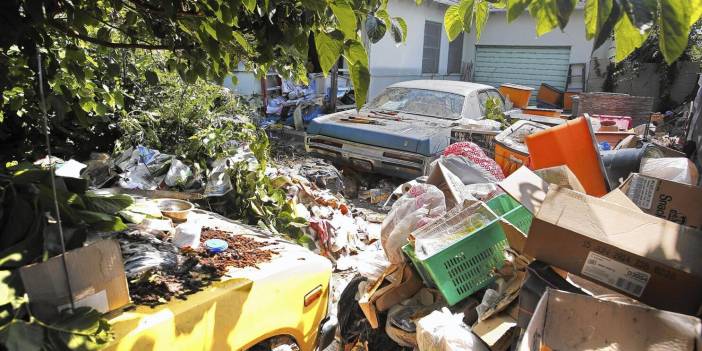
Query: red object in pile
[(476, 155)]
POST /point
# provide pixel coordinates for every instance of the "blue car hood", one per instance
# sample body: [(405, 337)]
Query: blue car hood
[(417, 134)]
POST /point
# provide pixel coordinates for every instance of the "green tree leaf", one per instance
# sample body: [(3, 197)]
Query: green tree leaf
[(608, 26), (357, 58), (515, 8), (545, 13), (329, 47), (383, 15), (674, 23), (459, 19), (596, 13), (565, 9), (250, 5), (453, 20), (375, 28), (399, 26), (151, 77), (627, 38), (22, 336), (482, 11), (345, 16), (696, 7), (242, 41)]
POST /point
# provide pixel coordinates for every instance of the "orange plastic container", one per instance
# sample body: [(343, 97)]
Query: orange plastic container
[(548, 112), (550, 95), (509, 159), (510, 150), (518, 94), (573, 144)]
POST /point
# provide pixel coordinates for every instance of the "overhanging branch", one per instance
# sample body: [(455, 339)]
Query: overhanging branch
[(72, 33)]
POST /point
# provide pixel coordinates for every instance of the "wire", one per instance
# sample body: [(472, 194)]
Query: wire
[(53, 179)]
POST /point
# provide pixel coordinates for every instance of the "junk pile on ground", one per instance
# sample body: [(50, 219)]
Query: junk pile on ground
[(537, 238)]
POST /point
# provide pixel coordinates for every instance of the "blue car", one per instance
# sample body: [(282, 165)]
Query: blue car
[(402, 130)]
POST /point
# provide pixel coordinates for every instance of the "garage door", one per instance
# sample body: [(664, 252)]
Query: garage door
[(523, 65)]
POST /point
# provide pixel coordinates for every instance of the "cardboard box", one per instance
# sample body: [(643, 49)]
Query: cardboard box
[(96, 274), (566, 321), (561, 176), (655, 261), (676, 202), (618, 197)]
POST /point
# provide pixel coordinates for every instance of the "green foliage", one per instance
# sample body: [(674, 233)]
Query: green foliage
[(494, 111), (195, 122), (630, 21), (96, 56), (255, 197), (27, 236)]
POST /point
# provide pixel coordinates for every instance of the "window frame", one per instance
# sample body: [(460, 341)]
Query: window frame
[(434, 69)]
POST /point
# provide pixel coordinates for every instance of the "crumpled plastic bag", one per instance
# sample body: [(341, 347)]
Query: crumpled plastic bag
[(421, 205), (178, 174), (444, 331), (676, 169), (371, 264)]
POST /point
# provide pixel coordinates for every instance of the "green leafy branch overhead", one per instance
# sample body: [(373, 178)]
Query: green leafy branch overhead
[(87, 46), (629, 21)]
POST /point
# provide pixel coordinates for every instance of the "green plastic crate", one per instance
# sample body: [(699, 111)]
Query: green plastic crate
[(465, 267), (511, 211)]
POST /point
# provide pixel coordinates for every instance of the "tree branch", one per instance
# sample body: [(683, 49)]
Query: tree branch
[(160, 11), (72, 33)]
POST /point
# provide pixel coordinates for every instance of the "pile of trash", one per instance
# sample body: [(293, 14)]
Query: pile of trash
[(547, 230)]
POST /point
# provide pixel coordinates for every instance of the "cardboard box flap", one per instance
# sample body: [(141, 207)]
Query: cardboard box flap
[(648, 236), (96, 273), (618, 197), (526, 187), (566, 321)]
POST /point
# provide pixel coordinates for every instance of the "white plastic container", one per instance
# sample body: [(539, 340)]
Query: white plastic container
[(187, 235)]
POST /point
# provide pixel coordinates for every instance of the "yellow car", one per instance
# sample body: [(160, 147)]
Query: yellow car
[(284, 302)]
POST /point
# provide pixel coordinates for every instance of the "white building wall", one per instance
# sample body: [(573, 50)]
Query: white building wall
[(390, 63)]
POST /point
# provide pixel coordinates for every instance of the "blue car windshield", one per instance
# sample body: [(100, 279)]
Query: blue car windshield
[(420, 102)]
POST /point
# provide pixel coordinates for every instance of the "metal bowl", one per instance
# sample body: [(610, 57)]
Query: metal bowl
[(177, 210)]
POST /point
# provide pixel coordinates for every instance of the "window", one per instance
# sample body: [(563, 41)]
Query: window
[(432, 46), (455, 55), (419, 102)]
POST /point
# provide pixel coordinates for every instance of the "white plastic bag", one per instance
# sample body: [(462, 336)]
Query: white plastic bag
[(372, 263), (677, 169), (444, 331), (422, 204)]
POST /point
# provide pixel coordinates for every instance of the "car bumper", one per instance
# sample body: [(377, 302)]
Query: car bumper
[(369, 158)]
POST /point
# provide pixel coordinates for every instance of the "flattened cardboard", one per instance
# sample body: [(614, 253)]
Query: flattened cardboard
[(655, 261), (566, 321), (96, 273), (676, 202)]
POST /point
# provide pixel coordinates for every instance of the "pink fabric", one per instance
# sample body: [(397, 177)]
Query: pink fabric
[(476, 155)]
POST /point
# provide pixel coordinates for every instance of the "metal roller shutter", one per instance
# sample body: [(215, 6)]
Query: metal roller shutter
[(523, 65)]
